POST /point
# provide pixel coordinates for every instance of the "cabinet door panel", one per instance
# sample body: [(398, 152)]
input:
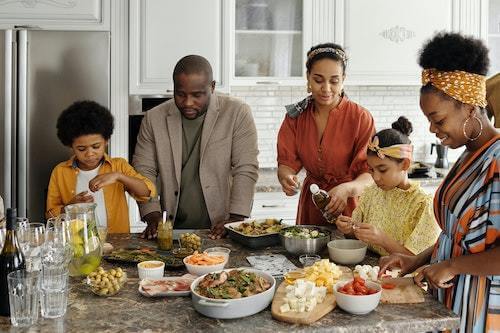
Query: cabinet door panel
[(383, 37), (162, 32)]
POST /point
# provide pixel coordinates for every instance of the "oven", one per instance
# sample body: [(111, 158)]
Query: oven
[(138, 105)]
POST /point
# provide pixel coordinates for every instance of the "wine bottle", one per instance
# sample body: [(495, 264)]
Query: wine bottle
[(11, 259)]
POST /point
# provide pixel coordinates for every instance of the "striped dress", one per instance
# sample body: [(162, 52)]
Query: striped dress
[(467, 207)]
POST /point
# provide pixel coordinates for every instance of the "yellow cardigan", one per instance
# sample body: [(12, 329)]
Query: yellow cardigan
[(62, 187)]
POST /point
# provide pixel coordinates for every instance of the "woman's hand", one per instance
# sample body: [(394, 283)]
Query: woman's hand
[(105, 179), (406, 263), (370, 234), (338, 199), (289, 184), (437, 275), (344, 224)]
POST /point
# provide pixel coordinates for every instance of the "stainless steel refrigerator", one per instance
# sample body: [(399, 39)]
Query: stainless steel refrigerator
[(43, 72)]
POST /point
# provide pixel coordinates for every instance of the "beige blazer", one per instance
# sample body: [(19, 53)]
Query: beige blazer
[(228, 157)]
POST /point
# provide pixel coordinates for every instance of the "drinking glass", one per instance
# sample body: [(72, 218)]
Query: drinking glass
[(54, 290), (31, 237), (24, 292)]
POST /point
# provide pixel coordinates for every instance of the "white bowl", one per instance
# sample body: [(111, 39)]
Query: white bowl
[(218, 251), (150, 272), (204, 269), (233, 308), (346, 251), (357, 304)]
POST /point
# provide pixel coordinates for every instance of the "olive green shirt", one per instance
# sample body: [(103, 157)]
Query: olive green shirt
[(192, 212)]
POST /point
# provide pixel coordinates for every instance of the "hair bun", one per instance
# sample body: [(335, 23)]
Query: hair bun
[(403, 125)]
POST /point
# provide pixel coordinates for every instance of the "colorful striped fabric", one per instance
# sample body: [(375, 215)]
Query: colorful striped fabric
[(467, 207)]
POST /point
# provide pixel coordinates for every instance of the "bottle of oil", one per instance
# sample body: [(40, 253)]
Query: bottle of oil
[(165, 233), (11, 259), (321, 198)]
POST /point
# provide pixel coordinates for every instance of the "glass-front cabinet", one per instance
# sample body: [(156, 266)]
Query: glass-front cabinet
[(269, 41), (494, 36)]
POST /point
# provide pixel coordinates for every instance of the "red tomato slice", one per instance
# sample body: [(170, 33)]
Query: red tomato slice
[(388, 286)]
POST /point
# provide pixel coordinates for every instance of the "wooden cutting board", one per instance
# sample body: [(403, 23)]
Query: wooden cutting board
[(307, 318), (405, 292)]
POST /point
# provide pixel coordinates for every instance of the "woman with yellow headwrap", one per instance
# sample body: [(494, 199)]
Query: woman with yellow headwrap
[(463, 268)]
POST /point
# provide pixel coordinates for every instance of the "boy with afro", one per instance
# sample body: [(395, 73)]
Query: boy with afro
[(90, 175)]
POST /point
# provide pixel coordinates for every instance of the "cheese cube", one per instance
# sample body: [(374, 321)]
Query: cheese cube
[(285, 308)]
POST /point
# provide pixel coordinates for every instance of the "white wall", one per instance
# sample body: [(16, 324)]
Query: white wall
[(386, 104)]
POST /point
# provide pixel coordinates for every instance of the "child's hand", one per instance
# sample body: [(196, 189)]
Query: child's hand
[(103, 180), (368, 233), (82, 197), (344, 224)]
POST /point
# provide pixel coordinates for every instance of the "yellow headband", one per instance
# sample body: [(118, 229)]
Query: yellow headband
[(468, 88), (396, 151)]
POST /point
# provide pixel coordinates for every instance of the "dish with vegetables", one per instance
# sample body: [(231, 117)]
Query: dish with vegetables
[(304, 233), (144, 254), (232, 284), (258, 227)]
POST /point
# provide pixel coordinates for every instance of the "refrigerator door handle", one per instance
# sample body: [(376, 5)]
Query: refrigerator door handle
[(7, 131), (22, 139)]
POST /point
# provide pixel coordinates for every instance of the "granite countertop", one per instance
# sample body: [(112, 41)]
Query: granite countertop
[(268, 179), (128, 311)]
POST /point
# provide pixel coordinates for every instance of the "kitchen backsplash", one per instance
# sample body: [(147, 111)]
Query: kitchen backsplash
[(386, 104)]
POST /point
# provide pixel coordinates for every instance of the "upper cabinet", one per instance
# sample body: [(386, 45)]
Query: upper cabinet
[(269, 40), (56, 14), (383, 37), (494, 35), (162, 32)]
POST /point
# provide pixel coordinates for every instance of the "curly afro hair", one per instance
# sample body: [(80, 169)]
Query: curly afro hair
[(452, 51), (396, 135), (84, 118)]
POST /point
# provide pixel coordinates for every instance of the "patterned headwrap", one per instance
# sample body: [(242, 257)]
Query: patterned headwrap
[(396, 151), (468, 88), (338, 52)]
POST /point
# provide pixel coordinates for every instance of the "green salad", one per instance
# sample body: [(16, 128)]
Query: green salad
[(303, 233)]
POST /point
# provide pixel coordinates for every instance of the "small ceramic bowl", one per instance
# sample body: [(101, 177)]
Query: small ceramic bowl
[(218, 251), (346, 251), (151, 269), (203, 269), (357, 304)]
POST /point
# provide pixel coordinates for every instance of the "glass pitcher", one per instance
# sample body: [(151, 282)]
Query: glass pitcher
[(87, 250)]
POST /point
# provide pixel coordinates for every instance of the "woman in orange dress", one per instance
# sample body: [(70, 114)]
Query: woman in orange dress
[(327, 134)]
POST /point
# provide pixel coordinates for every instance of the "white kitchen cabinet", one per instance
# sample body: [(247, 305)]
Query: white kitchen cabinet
[(382, 37), (56, 14), (494, 35), (162, 32), (269, 41)]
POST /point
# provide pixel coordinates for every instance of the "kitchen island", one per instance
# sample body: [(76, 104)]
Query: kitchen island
[(129, 311)]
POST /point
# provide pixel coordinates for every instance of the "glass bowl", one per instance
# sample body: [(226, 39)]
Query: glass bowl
[(309, 259), (104, 283), (182, 252)]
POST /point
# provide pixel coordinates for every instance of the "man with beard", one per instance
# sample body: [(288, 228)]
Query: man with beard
[(201, 148)]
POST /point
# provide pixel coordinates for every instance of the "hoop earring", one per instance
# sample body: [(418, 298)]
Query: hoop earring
[(480, 128)]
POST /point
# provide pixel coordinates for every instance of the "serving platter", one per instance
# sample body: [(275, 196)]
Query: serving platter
[(135, 256), (253, 241)]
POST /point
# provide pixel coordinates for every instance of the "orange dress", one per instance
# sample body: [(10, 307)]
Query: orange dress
[(339, 157)]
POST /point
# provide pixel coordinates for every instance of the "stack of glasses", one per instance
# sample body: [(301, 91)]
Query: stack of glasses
[(45, 281)]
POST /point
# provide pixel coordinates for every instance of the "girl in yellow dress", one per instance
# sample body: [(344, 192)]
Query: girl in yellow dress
[(394, 215)]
